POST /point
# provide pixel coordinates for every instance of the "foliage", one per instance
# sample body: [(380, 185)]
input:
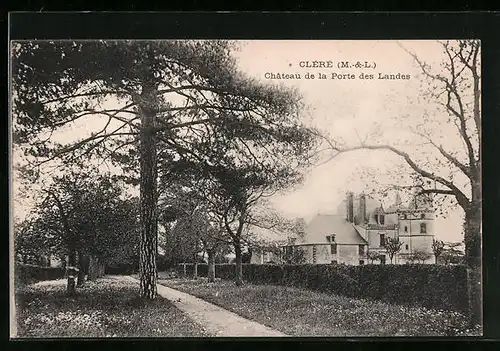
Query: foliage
[(419, 256), (193, 228), (30, 246), (294, 255), (167, 106), (451, 254), (27, 274), (299, 228), (372, 256), (392, 246), (86, 212), (233, 194), (438, 247), (431, 286)]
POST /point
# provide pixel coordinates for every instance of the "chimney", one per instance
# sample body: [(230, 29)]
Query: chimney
[(362, 208), (350, 207), (398, 201)]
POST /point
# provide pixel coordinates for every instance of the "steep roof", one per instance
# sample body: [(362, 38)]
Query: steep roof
[(380, 226), (266, 235), (325, 224), (392, 209)]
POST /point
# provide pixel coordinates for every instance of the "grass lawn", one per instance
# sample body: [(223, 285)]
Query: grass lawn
[(300, 312), (103, 308)]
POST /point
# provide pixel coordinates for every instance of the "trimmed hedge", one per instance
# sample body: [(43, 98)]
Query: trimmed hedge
[(427, 285), (27, 274), (121, 269)]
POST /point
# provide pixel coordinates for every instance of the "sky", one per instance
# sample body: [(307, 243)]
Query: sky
[(354, 109), (349, 110)]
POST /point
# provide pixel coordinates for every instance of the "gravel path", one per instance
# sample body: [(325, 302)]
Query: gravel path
[(216, 320)]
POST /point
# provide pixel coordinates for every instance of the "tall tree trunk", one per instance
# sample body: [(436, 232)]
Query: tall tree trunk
[(93, 268), (148, 194), (102, 266), (81, 269), (239, 264), (72, 272), (195, 267), (472, 239), (472, 232), (211, 265)]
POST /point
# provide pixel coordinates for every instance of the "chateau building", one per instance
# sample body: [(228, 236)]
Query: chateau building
[(359, 234)]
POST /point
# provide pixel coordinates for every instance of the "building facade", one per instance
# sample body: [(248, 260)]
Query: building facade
[(360, 235)]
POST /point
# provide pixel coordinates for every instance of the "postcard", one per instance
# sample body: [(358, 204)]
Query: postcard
[(263, 188)]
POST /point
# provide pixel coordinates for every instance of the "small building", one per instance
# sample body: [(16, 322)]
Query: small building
[(330, 238)]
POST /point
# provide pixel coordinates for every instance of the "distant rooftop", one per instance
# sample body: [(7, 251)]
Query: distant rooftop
[(328, 224)]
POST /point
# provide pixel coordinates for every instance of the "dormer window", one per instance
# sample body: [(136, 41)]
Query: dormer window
[(423, 228), (422, 216), (381, 219), (361, 249), (328, 238), (406, 229), (405, 216)]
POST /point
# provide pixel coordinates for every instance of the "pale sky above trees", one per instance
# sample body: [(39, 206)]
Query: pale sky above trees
[(349, 110), (356, 109)]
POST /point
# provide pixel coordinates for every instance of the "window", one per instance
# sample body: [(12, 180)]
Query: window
[(405, 216), (376, 218), (423, 228), (382, 240), (333, 248), (333, 237), (361, 262), (361, 249), (328, 238), (406, 247), (382, 219), (382, 259), (334, 261), (422, 216), (406, 229)]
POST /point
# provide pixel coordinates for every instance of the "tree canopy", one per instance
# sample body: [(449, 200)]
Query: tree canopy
[(157, 108)]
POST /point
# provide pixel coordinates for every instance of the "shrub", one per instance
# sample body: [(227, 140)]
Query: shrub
[(427, 285), (121, 269), (27, 274)]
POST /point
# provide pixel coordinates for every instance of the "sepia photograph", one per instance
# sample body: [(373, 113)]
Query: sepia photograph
[(245, 188)]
